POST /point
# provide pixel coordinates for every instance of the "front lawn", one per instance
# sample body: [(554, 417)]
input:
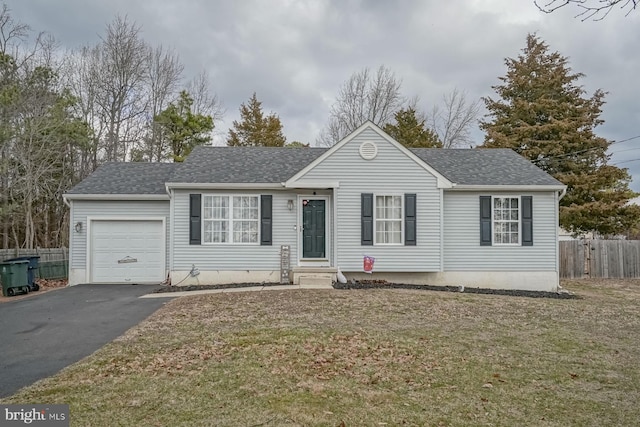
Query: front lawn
[(366, 357)]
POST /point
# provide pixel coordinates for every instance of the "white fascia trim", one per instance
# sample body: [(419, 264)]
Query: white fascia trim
[(223, 186), (125, 218), (508, 188), (442, 181), (115, 197), (311, 184)]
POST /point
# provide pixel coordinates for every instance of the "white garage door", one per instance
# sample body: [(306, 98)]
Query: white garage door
[(127, 251)]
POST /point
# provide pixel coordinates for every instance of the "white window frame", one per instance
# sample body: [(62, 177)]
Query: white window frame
[(230, 220), (495, 221), (375, 219)]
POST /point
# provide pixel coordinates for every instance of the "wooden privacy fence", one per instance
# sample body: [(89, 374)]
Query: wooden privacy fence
[(599, 259), (52, 254), (53, 262)]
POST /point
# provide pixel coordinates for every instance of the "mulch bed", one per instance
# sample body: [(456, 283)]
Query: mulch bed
[(382, 284)]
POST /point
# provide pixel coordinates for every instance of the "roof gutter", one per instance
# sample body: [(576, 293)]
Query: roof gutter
[(468, 187), (311, 184), (223, 186), (68, 197)]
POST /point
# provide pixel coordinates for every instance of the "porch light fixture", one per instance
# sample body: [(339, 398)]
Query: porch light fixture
[(290, 204), (78, 226)]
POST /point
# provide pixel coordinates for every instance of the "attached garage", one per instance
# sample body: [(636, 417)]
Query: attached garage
[(127, 250)]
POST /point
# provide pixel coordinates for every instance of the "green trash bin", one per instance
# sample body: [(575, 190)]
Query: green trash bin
[(32, 270), (14, 276)]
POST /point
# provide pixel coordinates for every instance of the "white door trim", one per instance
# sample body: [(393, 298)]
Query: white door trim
[(315, 262), (91, 219)]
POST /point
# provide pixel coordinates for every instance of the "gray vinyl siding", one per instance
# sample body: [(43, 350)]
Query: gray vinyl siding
[(462, 250), (231, 257), (390, 173), (81, 209)]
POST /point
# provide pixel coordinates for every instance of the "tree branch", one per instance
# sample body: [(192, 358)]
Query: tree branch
[(596, 9)]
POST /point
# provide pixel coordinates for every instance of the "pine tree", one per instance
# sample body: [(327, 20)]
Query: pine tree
[(543, 114), (182, 129), (255, 129), (411, 131)]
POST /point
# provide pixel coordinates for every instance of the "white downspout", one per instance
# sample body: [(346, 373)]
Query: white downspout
[(334, 226), (558, 196), (171, 228), (562, 193), (441, 230)]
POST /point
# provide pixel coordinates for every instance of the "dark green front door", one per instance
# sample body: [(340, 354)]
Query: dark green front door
[(313, 230)]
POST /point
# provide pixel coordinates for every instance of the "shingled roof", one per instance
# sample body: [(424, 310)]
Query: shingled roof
[(127, 178), (244, 164), (272, 165), (495, 166)]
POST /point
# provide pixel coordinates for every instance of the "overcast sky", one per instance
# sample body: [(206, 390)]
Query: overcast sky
[(295, 54)]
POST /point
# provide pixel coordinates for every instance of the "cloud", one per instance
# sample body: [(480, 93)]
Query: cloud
[(296, 54)]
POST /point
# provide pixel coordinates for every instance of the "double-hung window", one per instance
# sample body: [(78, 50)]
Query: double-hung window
[(230, 219), (388, 220), (506, 220)]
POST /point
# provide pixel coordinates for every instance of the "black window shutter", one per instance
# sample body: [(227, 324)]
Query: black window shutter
[(366, 232), (485, 220), (266, 219), (527, 220), (410, 219), (194, 219)]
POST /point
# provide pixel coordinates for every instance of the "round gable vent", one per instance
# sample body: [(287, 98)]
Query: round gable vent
[(368, 150)]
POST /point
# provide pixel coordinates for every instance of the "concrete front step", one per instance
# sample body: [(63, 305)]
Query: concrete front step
[(316, 281), (313, 276)]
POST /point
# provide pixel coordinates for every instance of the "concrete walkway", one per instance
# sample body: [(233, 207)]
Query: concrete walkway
[(229, 290)]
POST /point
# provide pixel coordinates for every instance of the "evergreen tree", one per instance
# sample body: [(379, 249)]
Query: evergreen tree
[(411, 131), (297, 144), (255, 129), (543, 114), (181, 129)]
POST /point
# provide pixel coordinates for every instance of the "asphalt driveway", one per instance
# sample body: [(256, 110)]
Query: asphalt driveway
[(42, 334)]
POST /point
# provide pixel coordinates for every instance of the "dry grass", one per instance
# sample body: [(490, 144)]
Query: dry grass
[(373, 357)]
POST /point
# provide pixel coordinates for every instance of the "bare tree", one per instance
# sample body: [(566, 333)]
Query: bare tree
[(36, 126), (164, 72), (452, 120), (122, 85), (124, 57), (82, 76), (204, 101), (596, 9), (364, 96), (12, 34)]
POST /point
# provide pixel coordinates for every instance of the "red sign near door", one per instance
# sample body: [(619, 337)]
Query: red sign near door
[(368, 262)]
